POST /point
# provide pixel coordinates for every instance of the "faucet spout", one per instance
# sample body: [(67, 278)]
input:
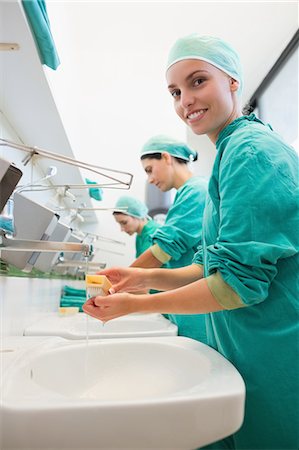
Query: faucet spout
[(79, 264), (8, 243)]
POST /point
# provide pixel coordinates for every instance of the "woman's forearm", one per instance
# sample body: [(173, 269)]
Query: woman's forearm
[(197, 296), (166, 279)]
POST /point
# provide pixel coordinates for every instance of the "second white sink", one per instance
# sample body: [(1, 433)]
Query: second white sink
[(79, 326)]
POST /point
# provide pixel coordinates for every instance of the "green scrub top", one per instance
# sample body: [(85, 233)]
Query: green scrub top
[(180, 237), (144, 239), (251, 237)]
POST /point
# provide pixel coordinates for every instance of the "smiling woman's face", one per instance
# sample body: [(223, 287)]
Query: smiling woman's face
[(205, 98)]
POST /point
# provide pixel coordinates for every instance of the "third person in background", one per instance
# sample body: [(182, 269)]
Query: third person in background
[(132, 216)]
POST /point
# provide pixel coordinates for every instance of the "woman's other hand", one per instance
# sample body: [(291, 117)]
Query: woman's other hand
[(125, 279), (109, 307)]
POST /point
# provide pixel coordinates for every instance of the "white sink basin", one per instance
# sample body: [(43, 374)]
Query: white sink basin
[(79, 325), (137, 393)]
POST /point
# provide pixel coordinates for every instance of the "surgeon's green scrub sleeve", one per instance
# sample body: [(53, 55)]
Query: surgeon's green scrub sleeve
[(144, 239), (251, 239), (180, 237)]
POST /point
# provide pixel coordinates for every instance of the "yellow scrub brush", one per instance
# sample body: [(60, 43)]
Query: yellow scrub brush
[(97, 285)]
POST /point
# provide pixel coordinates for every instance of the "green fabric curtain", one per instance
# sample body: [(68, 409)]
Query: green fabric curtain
[(37, 16)]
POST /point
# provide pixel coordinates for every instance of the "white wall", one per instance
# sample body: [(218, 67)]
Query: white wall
[(26, 300), (29, 114)]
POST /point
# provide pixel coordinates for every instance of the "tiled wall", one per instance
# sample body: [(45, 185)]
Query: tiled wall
[(25, 300)]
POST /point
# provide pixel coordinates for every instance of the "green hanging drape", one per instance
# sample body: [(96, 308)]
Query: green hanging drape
[(37, 16)]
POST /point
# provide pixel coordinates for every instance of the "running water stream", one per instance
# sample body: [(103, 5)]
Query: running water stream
[(87, 362), (87, 332)]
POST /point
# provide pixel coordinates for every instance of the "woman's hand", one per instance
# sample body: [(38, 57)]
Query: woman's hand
[(125, 279), (110, 306)]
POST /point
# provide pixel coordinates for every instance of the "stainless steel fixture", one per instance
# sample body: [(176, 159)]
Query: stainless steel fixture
[(8, 243)]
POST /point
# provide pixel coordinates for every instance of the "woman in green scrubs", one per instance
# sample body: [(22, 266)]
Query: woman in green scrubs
[(166, 163), (245, 275), (132, 216)]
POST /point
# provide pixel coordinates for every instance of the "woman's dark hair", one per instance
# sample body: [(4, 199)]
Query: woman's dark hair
[(152, 156), (247, 109), (159, 156)]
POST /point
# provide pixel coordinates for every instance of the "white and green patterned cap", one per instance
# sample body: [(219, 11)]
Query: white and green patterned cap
[(131, 206), (211, 49), (162, 143)]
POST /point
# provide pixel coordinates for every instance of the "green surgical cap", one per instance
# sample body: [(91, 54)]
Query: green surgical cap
[(131, 207), (161, 143), (210, 49)]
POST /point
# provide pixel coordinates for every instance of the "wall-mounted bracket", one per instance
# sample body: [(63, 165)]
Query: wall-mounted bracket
[(7, 46), (118, 179)]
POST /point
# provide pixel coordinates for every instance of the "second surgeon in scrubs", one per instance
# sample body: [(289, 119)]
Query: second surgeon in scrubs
[(166, 162)]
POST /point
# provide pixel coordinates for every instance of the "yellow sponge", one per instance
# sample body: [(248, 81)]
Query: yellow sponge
[(97, 285), (68, 310)]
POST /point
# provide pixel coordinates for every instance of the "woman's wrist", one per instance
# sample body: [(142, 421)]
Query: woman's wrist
[(140, 303), (147, 276)]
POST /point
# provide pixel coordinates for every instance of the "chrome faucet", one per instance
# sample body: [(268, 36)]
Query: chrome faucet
[(8, 243), (61, 262)]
